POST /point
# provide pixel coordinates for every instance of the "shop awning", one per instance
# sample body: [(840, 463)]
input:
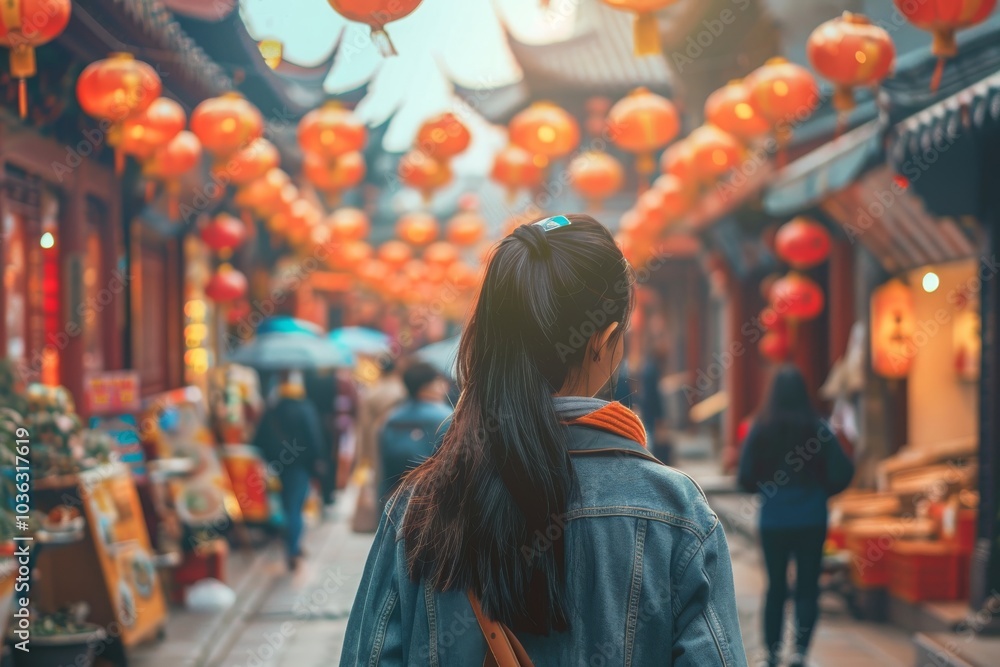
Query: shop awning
[(947, 149), (878, 212), (744, 252), (832, 167)]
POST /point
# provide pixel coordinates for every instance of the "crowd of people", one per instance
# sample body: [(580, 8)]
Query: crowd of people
[(549, 510), (395, 423)]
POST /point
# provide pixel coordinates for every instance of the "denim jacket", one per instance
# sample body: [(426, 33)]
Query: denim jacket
[(649, 578)]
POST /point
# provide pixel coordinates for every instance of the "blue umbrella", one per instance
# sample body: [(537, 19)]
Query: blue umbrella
[(442, 355), (285, 324), (292, 351), (361, 340)]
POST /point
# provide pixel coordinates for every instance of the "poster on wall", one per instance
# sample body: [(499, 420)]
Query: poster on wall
[(967, 341), (966, 336), (112, 393)]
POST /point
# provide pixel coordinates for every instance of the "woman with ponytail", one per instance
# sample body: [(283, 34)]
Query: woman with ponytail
[(541, 531)]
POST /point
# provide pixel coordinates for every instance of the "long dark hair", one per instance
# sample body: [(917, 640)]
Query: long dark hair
[(502, 474), (788, 418)]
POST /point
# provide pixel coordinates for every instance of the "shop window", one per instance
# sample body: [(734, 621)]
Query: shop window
[(29, 246)]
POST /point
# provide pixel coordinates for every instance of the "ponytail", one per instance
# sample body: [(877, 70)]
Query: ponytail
[(481, 509)]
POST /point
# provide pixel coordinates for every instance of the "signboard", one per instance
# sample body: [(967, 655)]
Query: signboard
[(112, 393), (118, 532)]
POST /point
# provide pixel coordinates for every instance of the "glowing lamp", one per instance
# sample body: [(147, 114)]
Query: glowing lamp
[(642, 123), (331, 131), (893, 323), (417, 228), (596, 176), (545, 130)]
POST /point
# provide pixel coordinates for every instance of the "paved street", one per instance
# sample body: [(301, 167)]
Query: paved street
[(299, 621)]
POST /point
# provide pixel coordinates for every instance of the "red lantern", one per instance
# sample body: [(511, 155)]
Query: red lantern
[(336, 175), (24, 26), (596, 175), (145, 131), (114, 89), (170, 162), (372, 271), (352, 254), (732, 108), (466, 228), (783, 93), (348, 224), (264, 195), (417, 228), (224, 234), (771, 320), (414, 270), (250, 162), (463, 276), (673, 198), (643, 123), (893, 323), (443, 137), (441, 253), (515, 168), (647, 32), (776, 346), (394, 253), (297, 221), (678, 160), (238, 310), (376, 13), (545, 131), (422, 172), (942, 18), (226, 284), (714, 152), (179, 156), (850, 52), (226, 124), (331, 131), (797, 297), (802, 243)]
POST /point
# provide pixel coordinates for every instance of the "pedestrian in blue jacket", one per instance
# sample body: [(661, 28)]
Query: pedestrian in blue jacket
[(414, 428), (794, 461), (541, 531)]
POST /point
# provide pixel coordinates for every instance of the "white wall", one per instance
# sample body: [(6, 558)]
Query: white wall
[(941, 406)]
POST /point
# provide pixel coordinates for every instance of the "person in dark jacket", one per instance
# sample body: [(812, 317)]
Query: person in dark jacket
[(541, 522), (291, 440), (413, 429), (793, 460), (321, 390)]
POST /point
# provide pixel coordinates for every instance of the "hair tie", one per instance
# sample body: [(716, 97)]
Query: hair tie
[(533, 237)]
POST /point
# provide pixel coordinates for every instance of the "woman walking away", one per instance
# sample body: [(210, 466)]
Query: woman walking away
[(291, 440), (541, 531), (794, 461)]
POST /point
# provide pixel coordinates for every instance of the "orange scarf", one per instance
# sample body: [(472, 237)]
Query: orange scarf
[(617, 419)]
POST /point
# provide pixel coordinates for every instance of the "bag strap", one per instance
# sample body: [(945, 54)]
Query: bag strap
[(503, 645)]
